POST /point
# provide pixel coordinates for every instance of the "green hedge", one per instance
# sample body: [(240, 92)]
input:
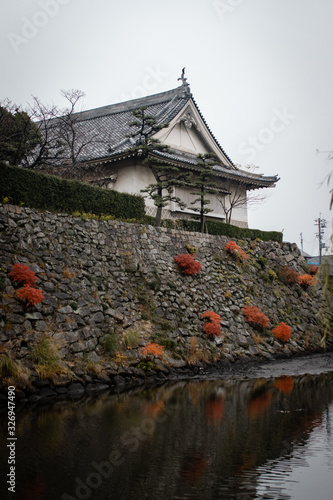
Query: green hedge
[(48, 192), (220, 228)]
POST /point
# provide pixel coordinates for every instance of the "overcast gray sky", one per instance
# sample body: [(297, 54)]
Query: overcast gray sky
[(260, 71)]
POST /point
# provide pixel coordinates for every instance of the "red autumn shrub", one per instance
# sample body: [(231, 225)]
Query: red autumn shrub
[(254, 317), (32, 295), (187, 264), (212, 327), (282, 332), (312, 269), (288, 276), (23, 275), (306, 280), (153, 349), (235, 251), (211, 316)]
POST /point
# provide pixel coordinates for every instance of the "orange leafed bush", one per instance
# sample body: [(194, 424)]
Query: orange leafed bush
[(187, 264), (233, 249), (254, 317), (282, 332), (312, 269), (211, 316), (212, 329), (306, 280), (23, 275), (32, 295), (213, 326), (152, 349), (288, 275)]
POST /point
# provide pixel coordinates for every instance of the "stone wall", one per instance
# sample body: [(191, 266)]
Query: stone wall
[(112, 278)]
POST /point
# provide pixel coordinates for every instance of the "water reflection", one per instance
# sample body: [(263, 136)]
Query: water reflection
[(225, 439)]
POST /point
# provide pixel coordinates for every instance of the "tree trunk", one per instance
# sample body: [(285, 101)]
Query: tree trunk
[(158, 217), (202, 223)]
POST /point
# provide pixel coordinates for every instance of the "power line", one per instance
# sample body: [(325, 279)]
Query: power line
[(321, 223)]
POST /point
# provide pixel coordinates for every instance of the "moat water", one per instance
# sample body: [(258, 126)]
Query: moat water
[(267, 438)]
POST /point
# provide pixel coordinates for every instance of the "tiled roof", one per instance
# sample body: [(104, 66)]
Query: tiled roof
[(251, 179), (110, 124), (109, 128)]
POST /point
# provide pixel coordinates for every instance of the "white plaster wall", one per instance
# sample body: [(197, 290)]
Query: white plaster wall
[(185, 139), (131, 179), (239, 215)]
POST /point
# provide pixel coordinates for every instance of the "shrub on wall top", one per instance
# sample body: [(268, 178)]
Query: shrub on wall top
[(48, 192), (223, 229)]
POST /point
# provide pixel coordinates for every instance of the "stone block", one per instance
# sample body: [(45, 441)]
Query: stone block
[(78, 347), (14, 318), (98, 317), (75, 390), (65, 310), (33, 316)]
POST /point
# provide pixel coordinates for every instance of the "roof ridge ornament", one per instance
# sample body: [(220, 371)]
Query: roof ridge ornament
[(184, 82)]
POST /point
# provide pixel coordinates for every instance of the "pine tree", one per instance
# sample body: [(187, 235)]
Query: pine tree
[(204, 184), (18, 134), (167, 176)]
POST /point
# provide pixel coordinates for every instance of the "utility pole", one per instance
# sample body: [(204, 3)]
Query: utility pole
[(301, 236), (321, 223)]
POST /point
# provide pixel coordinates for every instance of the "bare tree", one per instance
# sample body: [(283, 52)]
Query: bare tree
[(64, 139), (49, 150), (236, 196), (72, 137)]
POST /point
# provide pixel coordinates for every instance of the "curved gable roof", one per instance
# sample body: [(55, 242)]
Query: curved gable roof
[(110, 123), (107, 132)]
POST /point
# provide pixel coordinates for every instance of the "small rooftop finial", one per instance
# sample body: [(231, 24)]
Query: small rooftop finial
[(184, 81)]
